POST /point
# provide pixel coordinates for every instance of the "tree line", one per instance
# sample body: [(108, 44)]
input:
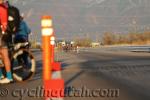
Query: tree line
[(130, 38)]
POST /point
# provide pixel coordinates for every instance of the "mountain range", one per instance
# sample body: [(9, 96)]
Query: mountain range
[(80, 18)]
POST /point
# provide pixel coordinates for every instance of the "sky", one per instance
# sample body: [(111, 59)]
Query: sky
[(92, 18)]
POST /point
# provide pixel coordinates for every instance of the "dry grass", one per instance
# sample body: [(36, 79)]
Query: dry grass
[(130, 38)]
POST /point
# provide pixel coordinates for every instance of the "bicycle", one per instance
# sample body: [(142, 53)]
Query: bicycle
[(21, 70)]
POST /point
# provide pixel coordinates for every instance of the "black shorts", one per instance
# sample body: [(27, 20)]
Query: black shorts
[(5, 40)]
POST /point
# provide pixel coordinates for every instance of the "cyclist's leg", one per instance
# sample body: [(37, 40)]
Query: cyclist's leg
[(1, 61), (5, 56), (1, 74), (25, 58), (26, 71), (6, 60), (22, 39)]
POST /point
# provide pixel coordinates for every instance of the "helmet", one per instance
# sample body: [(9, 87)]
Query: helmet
[(22, 15)]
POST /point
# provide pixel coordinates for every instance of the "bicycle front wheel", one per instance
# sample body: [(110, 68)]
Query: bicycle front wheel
[(23, 65)]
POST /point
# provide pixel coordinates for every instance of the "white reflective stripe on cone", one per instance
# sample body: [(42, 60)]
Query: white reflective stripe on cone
[(47, 31), (52, 42), (56, 75), (52, 38), (55, 99), (46, 22)]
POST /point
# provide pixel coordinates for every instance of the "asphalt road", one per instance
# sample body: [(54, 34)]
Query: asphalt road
[(92, 75), (109, 69)]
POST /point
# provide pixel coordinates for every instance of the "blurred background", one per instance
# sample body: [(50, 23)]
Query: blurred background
[(87, 18)]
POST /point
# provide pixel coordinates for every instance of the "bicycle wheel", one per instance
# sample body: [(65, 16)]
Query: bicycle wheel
[(23, 65)]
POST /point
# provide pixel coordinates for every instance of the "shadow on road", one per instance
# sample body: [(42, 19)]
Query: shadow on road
[(74, 77), (126, 77)]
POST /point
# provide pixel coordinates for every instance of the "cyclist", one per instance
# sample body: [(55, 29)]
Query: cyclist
[(24, 31), (22, 35), (3, 43)]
